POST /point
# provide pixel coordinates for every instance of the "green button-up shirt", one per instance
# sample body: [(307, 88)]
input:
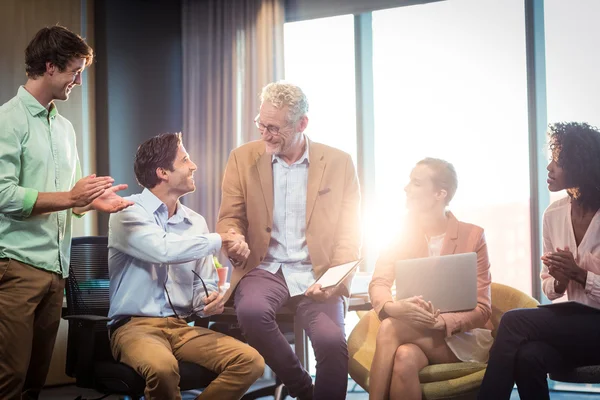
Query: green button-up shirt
[(37, 154)]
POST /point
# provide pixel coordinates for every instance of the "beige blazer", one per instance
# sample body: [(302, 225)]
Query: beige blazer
[(460, 238), (332, 206)]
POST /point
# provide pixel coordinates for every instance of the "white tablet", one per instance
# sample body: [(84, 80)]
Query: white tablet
[(336, 274)]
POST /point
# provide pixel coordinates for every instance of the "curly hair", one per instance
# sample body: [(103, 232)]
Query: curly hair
[(575, 148), (281, 94), (157, 152), (55, 44)]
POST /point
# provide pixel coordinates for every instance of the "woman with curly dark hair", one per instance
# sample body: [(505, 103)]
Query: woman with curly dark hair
[(534, 342)]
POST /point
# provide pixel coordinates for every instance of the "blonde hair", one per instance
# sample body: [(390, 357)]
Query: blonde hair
[(281, 94), (444, 175)]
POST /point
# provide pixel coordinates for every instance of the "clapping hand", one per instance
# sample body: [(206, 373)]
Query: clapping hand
[(110, 201), (562, 266)]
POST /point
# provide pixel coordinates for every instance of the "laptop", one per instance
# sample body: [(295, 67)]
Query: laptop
[(449, 282)]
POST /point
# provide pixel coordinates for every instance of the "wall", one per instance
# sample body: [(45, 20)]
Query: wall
[(138, 82), (19, 21)]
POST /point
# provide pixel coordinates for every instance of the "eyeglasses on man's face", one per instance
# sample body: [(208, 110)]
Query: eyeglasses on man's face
[(273, 130)]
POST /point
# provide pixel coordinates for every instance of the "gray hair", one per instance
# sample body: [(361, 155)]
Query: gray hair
[(444, 175), (281, 94)]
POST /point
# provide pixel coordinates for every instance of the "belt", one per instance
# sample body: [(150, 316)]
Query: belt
[(113, 328)]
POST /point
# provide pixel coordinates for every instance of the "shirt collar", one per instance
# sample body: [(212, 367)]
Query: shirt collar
[(305, 156), (153, 203), (34, 106)]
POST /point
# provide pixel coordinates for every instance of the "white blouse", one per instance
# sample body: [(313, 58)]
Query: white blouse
[(470, 346), (558, 233)]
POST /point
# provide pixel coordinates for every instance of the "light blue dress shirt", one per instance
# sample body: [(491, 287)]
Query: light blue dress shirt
[(288, 249), (148, 250)]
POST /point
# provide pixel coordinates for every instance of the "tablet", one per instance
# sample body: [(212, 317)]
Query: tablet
[(336, 274)]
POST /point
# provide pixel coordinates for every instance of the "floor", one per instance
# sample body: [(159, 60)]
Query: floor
[(354, 393)]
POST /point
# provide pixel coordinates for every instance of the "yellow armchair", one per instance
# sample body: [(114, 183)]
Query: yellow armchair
[(455, 381)]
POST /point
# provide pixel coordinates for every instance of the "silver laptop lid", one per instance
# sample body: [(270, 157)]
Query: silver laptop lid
[(449, 282)]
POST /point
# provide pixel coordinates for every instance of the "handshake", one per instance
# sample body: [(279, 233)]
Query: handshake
[(235, 247)]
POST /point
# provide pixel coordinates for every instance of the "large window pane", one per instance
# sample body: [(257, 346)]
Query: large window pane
[(450, 82), (319, 57), (572, 59)]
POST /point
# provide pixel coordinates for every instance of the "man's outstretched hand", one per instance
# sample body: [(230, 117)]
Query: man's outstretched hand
[(110, 201)]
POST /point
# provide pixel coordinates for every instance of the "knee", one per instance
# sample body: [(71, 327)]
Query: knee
[(405, 363), (163, 371), (251, 315), (510, 321), (254, 364), (330, 343)]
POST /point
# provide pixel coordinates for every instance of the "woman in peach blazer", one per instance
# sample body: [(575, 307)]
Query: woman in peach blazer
[(413, 334)]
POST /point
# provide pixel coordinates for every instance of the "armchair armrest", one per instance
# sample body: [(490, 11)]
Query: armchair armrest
[(81, 347)]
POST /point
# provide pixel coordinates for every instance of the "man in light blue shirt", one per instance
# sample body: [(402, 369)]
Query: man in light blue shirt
[(41, 188), (161, 272)]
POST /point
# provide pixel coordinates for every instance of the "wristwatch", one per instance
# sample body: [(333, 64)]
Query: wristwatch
[(556, 282)]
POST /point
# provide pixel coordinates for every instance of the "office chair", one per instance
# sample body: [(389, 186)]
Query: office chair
[(89, 358)]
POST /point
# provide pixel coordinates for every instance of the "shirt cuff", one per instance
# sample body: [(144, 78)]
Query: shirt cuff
[(592, 286), (77, 215), (214, 241), (29, 199), (549, 289), (382, 314)]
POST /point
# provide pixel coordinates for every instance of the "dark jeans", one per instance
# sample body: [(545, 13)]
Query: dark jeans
[(258, 297), (534, 342)]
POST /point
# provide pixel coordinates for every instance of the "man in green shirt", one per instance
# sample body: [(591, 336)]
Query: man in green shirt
[(40, 190)]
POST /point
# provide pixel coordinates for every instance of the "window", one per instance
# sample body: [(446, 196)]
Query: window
[(450, 82), (323, 66), (573, 82)]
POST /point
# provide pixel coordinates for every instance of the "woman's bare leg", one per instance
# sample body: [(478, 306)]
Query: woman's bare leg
[(408, 361), (392, 334)]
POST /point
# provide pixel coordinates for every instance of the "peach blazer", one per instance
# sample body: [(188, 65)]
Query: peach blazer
[(460, 238), (332, 206)]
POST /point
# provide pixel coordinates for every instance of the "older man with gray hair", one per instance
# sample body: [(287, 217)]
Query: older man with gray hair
[(297, 202)]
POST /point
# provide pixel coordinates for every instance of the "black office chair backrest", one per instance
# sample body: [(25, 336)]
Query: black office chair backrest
[(88, 283)]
